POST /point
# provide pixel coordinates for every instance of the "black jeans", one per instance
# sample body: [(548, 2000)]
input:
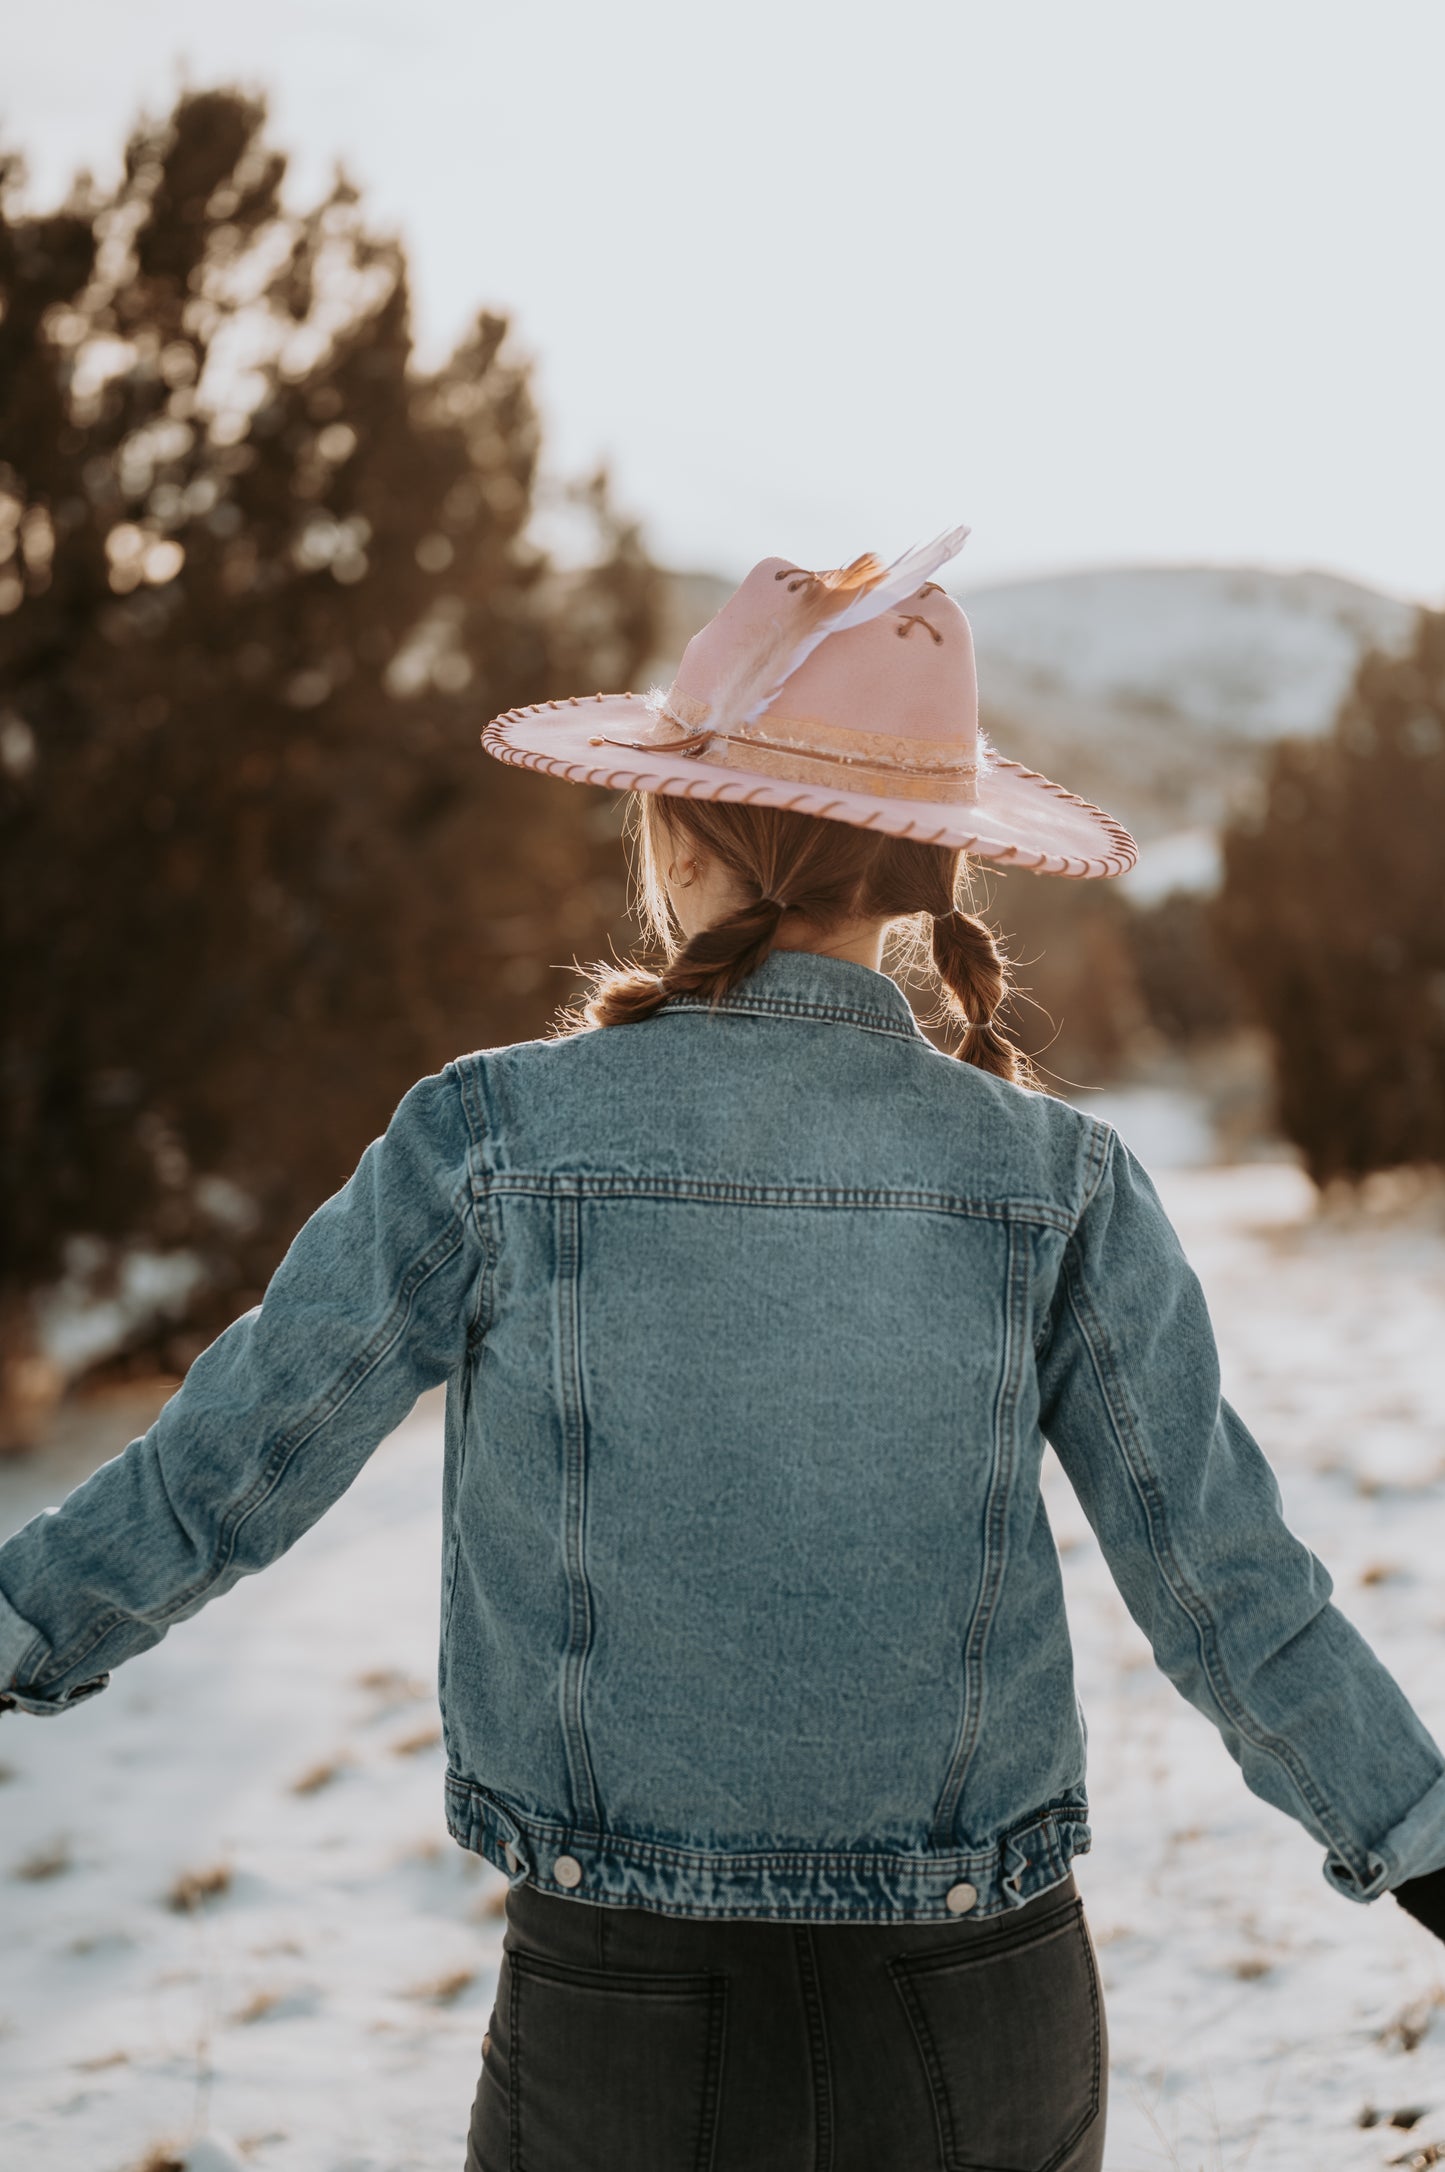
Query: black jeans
[(625, 2041)]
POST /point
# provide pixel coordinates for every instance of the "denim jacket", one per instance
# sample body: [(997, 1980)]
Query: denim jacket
[(754, 1321)]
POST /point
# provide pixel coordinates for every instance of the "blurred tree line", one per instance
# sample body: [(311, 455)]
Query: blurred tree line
[(1327, 933), (262, 580), (1332, 917)]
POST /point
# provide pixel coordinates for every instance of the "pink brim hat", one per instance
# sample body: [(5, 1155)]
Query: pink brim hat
[(850, 695)]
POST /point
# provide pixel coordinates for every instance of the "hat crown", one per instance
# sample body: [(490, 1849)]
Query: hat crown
[(906, 677)]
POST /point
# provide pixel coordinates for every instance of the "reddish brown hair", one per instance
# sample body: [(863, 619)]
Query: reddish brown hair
[(811, 872)]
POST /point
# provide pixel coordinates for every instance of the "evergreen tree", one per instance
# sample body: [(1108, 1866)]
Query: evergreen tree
[(1333, 913), (261, 584)]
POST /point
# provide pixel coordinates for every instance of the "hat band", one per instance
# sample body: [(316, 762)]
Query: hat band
[(882, 762), (845, 772)]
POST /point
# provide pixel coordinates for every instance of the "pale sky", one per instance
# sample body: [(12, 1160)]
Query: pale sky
[(1115, 282)]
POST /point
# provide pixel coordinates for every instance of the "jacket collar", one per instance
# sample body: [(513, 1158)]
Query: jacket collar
[(805, 984)]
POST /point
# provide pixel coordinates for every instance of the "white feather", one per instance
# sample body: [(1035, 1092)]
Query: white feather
[(902, 579)]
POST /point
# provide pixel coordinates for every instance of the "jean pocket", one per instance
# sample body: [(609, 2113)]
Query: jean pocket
[(1010, 2036), (612, 2068)]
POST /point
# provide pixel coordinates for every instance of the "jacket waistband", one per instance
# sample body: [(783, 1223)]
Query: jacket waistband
[(792, 1885)]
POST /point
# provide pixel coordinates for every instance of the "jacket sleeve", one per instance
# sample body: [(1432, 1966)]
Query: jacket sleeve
[(1189, 1516), (372, 1303)]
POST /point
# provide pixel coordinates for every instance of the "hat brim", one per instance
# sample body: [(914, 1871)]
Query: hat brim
[(1019, 818)]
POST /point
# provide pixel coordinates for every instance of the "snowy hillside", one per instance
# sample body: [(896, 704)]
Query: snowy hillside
[(1234, 651)]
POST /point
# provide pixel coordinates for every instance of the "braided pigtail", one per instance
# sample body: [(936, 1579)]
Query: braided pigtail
[(976, 983), (619, 998), (717, 958), (711, 963)]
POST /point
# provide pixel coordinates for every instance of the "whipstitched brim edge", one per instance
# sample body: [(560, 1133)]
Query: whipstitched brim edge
[(1020, 818)]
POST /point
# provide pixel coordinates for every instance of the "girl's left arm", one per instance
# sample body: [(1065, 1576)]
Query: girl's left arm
[(1190, 1518), (374, 1302)]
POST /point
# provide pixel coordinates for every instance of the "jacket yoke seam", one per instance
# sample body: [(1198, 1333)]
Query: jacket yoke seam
[(1190, 1602), (546, 1184)]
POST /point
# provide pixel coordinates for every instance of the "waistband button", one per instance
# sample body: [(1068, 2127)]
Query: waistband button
[(567, 1871), (960, 1898)]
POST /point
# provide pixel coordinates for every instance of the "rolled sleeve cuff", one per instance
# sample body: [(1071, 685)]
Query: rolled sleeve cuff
[(18, 1638), (1409, 1850), (22, 1650)]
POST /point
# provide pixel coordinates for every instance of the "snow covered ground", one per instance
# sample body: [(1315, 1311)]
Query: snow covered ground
[(231, 1909)]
